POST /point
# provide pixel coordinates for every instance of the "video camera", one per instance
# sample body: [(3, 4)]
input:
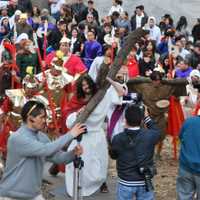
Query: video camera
[(134, 98), (79, 138), (148, 173)]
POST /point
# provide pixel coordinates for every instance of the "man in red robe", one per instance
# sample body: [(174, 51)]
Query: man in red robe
[(5, 128)]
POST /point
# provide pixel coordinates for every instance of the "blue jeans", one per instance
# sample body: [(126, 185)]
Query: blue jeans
[(187, 185), (136, 192)]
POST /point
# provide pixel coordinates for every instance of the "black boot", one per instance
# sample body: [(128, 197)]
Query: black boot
[(53, 170)]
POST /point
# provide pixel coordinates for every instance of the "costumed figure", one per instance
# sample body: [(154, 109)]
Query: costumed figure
[(8, 72), (85, 89), (8, 66), (6, 127), (189, 102), (26, 57), (71, 62), (18, 97), (57, 79), (95, 154), (156, 94)]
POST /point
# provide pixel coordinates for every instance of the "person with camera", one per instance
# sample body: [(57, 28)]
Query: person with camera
[(28, 149), (133, 149)]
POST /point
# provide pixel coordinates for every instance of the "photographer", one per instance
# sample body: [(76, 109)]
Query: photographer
[(134, 149), (28, 149)]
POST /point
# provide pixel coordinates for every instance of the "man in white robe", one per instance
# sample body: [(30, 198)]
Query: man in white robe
[(95, 154)]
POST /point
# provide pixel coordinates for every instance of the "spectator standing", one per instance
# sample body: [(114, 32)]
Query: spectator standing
[(116, 7), (123, 22), (56, 34), (92, 10), (92, 49), (23, 27), (77, 8), (188, 181), (76, 42), (154, 30), (182, 27), (25, 6), (194, 57), (183, 70), (12, 7), (146, 65), (196, 30), (139, 19)]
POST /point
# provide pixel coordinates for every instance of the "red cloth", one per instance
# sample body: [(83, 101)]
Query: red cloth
[(4, 134), (133, 70), (175, 121), (196, 110), (71, 106), (74, 64), (175, 117), (50, 57), (6, 105)]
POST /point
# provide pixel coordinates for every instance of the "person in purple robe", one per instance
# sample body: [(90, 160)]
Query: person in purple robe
[(183, 70), (91, 50)]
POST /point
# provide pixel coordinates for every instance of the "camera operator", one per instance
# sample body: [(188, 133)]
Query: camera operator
[(134, 150), (28, 149)]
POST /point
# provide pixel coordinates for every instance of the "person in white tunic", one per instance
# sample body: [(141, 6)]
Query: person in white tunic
[(190, 101), (94, 143)]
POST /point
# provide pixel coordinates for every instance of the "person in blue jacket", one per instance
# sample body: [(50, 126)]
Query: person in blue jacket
[(188, 180)]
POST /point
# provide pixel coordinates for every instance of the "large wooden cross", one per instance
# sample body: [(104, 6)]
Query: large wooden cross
[(131, 39)]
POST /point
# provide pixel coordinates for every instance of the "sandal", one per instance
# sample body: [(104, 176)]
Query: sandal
[(104, 188)]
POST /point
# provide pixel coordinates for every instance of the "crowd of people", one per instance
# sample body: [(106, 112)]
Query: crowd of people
[(54, 60)]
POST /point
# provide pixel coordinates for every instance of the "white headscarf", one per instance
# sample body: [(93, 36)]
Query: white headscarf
[(21, 37), (193, 73), (12, 19), (151, 18)]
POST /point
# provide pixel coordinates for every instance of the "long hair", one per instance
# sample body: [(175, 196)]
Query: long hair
[(182, 23), (90, 82)]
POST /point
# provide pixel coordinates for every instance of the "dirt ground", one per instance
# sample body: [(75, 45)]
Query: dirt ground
[(165, 180)]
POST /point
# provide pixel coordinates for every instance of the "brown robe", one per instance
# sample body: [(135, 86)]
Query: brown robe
[(152, 93)]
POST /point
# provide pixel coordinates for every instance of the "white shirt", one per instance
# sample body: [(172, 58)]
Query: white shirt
[(94, 69), (55, 7), (73, 40), (155, 34), (183, 53), (139, 21), (117, 8)]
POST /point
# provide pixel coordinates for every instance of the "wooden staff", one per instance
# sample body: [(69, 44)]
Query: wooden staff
[(49, 93), (171, 66)]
